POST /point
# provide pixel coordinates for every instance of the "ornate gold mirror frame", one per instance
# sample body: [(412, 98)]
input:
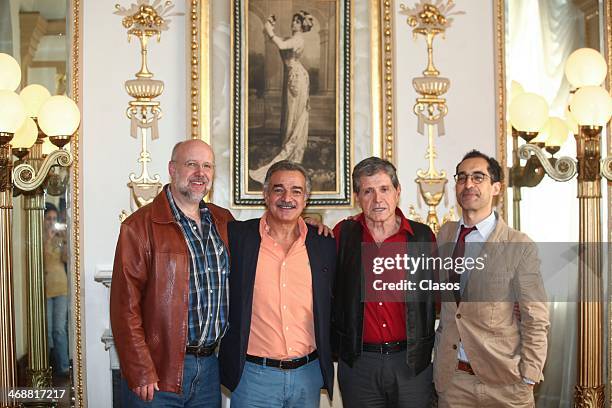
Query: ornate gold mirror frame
[(39, 374), (381, 84), (199, 69), (589, 328), (381, 38), (76, 302), (608, 48), (500, 96)]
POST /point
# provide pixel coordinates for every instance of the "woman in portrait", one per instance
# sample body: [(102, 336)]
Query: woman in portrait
[(56, 289), (296, 90)]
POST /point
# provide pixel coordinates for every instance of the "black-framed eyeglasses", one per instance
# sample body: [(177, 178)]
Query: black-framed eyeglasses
[(477, 177)]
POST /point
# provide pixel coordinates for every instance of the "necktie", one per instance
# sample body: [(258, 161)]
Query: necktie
[(459, 252)]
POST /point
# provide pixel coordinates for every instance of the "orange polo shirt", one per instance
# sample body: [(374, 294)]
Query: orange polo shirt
[(282, 321)]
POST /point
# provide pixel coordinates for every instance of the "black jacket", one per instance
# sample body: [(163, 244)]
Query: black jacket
[(244, 243), (348, 308)]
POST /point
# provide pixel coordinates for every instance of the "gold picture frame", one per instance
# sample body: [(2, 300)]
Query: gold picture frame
[(259, 116)]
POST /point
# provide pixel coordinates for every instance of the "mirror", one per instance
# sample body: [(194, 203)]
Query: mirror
[(40, 35), (534, 39), (539, 36)]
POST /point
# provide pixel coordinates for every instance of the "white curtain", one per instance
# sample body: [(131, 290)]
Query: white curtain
[(540, 35), (6, 28)]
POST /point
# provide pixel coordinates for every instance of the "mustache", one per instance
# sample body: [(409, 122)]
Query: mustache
[(285, 204), (199, 179), (470, 191)]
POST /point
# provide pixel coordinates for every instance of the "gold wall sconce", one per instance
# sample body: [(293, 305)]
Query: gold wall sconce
[(26, 121), (590, 106), (530, 122), (144, 21), (430, 20)]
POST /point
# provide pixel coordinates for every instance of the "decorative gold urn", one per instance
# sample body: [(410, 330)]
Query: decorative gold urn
[(144, 21), (430, 20)]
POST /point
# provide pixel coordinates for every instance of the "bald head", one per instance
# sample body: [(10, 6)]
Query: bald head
[(191, 168), (188, 144)]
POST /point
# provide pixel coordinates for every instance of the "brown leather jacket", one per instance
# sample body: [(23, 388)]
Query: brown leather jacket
[(149, 294)]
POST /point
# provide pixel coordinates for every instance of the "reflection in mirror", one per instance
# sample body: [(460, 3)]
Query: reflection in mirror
[(55, 265), (35, 33), (539, 36)]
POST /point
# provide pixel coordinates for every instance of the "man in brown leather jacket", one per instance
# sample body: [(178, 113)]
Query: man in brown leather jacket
[(169, 296)]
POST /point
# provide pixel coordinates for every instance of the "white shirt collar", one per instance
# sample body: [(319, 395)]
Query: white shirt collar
[(484, 228)]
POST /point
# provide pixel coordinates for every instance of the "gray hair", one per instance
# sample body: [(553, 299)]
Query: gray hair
[(175, 150), (286, 165), (369, 167)]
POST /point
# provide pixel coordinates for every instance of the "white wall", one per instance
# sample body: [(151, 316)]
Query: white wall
[(109, 154), (465, 57)]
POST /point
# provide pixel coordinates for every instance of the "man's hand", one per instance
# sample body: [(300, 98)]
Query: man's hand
[(146, 392), (322, 228)]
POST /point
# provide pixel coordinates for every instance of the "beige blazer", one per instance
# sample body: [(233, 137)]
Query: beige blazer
[(501, 349)]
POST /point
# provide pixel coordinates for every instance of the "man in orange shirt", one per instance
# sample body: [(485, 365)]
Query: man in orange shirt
[(277, 351)]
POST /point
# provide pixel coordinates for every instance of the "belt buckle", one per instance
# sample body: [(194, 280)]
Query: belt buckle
[(281, 365)]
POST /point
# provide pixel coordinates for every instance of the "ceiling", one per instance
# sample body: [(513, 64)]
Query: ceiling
[(49, 9)]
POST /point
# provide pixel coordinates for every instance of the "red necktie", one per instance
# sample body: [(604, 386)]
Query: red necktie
[(458, 252)]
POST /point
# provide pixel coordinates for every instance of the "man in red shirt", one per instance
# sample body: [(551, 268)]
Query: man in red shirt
[(384, 345)]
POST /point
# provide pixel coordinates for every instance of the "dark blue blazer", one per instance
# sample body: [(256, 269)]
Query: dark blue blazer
[(244, 242)]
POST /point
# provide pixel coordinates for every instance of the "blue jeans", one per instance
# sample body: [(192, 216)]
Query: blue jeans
[(265, 387), (201, 387), (57, 332)]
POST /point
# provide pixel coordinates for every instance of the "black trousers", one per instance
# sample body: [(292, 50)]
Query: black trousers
[(384, 381)]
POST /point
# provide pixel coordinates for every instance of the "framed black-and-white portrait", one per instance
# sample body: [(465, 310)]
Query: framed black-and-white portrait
[(292, 90)]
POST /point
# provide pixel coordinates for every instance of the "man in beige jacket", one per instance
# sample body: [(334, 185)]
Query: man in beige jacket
[(491, 342)]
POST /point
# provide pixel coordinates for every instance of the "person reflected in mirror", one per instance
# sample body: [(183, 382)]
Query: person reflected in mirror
[(295, 105), (383, 342), (491, 342), (55, 258), (277, 352)]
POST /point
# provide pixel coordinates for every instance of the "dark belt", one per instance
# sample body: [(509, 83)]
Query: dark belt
[(385, 348), (201, 351), (283, 364), (463, 366)]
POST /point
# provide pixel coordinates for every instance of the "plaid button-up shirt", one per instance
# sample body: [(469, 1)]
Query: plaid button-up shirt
[(208, 276)]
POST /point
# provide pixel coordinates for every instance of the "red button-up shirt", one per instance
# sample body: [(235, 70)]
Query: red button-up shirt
[(382, 321)]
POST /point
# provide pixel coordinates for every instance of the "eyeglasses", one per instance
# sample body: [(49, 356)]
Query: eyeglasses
[(476, 177), (194, 165)]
